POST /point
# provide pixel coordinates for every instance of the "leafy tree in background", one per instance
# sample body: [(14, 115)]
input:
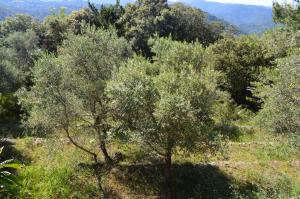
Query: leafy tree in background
[(167, 103), (18, 51), (16, 61), (68, 91), (142, 20), (288, 14), (145, 19), (107, 16), (279, 43), (77, 19), (21, 50), (17, 23), (189, 24), (177, 54), (280, 92), (240, 60), (6, 78), (53, 31)]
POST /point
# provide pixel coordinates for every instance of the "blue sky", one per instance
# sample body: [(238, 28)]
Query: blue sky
[(248, 2), (254, 2)]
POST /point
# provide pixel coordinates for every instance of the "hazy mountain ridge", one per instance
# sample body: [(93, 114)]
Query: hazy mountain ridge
[(4, 11), (247, 18), (39, 8)]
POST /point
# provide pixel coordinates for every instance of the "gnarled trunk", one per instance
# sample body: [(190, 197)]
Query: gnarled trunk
[(168, 174), (101, 137), (107, 158)]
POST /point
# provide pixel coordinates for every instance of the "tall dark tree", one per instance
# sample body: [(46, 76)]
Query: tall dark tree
[(145, 19), (53, 30), (185, 23), (106, 15), (240, 60), (142, 20)]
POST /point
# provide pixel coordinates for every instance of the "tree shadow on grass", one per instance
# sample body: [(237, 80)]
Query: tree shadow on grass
[(10, 152), (11, 128), (188, 181)]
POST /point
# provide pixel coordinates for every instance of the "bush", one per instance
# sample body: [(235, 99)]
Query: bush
[(281, 96), (264, 187)]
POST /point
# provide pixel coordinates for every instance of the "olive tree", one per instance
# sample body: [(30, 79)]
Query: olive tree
[(21, 50), (68, 92), (17, 23), (18, 51), (280, 92), (167, 103), (6, 79), (279, 42)]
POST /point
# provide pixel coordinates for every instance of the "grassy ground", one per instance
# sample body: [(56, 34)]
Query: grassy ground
[(257, 165)]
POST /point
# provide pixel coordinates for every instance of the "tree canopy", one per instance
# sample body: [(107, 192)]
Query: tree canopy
[(167, 105), (287, 14), (281, 100), (240, 61), (69, 89)]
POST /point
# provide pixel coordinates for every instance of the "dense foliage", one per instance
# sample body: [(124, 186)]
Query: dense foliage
[(240, 60), (144, 19), (150, 75), (69, 89), (280, 110), (287, 14), (168, 103)]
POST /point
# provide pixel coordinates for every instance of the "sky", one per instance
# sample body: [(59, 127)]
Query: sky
[(252, 2)]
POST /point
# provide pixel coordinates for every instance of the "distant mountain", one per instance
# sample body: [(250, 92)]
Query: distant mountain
[(4, 11), (41, 8), (248, 18)]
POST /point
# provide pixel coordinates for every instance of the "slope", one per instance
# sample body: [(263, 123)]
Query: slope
[(248, 18)]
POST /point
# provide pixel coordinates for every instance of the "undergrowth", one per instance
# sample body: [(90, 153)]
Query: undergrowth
[(256, 166)]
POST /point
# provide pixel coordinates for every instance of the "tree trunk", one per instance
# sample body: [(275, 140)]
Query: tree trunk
[(107, 158), (168, 173), (101, 137)]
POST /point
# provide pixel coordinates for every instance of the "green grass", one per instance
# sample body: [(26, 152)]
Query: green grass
[(257, 165), (54, 171)]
